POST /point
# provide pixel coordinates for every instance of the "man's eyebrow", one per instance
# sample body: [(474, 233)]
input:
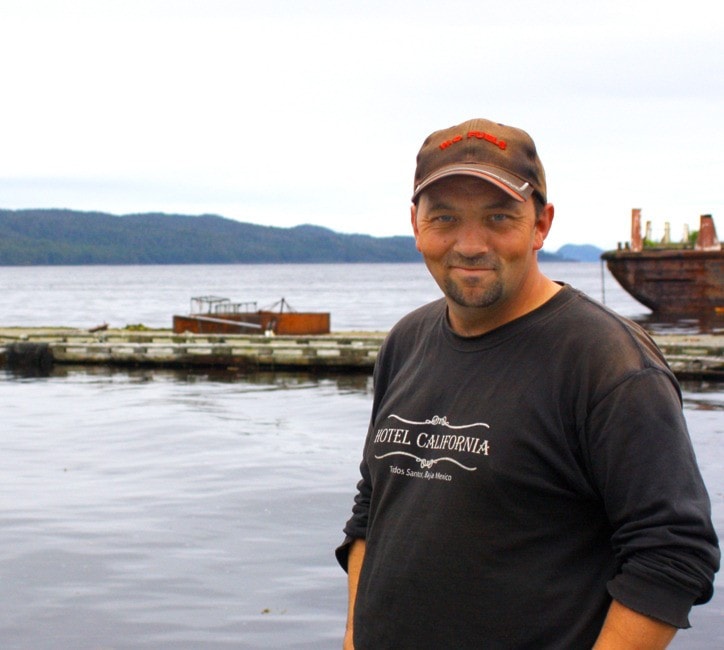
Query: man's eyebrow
[(439, 204), (503, 202)]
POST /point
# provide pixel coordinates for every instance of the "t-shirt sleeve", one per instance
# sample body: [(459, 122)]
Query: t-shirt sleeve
[(644, 468), (356, 526)]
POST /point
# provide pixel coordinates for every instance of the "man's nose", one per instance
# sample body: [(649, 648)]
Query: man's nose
[(472, 239)]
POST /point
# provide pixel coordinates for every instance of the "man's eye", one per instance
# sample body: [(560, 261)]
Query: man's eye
[(498, 218), (443, 218)]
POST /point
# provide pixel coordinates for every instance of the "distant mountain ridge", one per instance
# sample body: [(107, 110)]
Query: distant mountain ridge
[(580, 252), (68, 237)]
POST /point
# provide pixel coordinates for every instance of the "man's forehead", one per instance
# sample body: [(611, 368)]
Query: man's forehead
[(446, 190)]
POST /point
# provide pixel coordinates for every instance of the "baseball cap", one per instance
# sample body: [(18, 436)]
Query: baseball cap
[(500, 154)]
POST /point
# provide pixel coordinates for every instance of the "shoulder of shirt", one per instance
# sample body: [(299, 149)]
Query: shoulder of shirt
[(415, 326), (426, 315), (583, 324)]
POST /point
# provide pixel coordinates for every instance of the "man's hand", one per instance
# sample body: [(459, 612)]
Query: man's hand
[(348, 642), (625, 629), (354, 566)]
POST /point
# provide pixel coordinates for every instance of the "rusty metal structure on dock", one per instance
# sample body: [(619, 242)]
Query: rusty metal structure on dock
[(217, 315)]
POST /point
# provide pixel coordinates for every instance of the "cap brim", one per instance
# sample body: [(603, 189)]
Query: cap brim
[(519, 189)]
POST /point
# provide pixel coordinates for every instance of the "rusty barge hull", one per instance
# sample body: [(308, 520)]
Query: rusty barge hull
[(669, 281)]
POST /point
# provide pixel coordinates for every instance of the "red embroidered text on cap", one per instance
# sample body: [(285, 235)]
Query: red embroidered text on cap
[(480, 135)]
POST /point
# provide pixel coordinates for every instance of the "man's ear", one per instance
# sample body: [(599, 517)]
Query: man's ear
[(413, 220), (543, 224)]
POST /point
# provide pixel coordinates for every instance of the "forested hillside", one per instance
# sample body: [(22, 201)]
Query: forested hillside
[(69, 237)]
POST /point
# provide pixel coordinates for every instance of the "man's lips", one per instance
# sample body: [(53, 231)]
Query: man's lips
[(471, 264), (470, 269)]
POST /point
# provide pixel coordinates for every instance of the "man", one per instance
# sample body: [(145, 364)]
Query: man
[(527, 478)]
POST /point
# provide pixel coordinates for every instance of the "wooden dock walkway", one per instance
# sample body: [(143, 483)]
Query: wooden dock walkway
[(163, 348), (690, 356)]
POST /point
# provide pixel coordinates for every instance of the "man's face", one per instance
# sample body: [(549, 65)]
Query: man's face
[(479, 245)]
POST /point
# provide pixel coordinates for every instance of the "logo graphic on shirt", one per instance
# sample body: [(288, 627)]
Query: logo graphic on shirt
[(426, 435)]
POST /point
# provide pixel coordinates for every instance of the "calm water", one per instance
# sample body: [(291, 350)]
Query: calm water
[(156, 509), (359, 296)]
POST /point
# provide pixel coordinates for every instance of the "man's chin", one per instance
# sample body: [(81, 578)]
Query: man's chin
[(473, 298)]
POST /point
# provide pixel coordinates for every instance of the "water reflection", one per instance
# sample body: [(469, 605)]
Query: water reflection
[(681, 324), (345, 382)]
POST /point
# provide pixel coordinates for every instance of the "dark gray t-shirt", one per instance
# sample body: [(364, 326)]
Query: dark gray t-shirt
[(513, 482)]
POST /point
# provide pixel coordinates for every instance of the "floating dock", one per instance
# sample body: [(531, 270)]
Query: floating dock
[(689, 355), (162, 348)]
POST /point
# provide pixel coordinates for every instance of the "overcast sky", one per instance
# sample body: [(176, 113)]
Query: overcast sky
[(283, 112)]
